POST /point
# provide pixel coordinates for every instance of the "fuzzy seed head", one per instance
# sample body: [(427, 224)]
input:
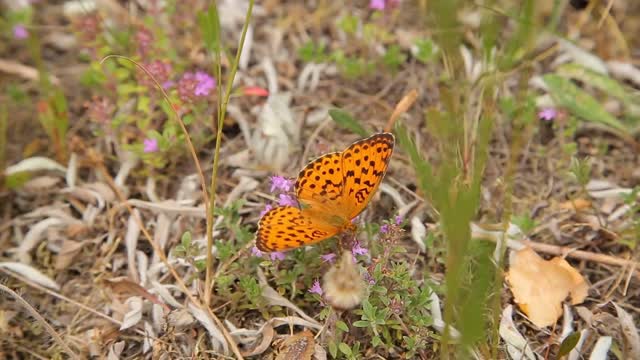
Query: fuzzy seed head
[(343, 285)]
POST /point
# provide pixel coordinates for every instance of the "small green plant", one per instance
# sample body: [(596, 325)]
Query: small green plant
[(189, 251), (427, 51), (580, 170), (631, 236), (524, 222), (358, 58)]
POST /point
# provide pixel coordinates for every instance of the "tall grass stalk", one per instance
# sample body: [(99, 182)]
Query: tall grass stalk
[(462, 128), (214, 20)]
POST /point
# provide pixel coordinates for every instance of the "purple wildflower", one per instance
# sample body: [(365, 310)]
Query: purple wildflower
[(286, 200), (256, 252), (383, 4), (144, 38), (160, 70), (330, 257), (399, 220), (358, 250), (206, 83), (168, 84), (547, 114), (368, 278), (192, 86), (276, 255), (281, 183), (20, 32), (316, 288), (267, 208), (187, 87), (150, 145), (377, 4), (384, 228)]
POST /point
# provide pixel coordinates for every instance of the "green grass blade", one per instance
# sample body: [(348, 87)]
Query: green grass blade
[(345, 120), (422, 167), (580, 103), (603, 82)]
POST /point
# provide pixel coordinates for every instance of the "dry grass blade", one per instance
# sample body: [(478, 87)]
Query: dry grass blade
[(218, 340), (131, 242), (31, 274), (517, 345), (631, 347), (36, 234), (266, 336), (24, 71), (275, 299), (50, 330)]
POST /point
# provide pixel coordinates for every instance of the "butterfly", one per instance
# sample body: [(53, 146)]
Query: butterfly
[(331, 190)]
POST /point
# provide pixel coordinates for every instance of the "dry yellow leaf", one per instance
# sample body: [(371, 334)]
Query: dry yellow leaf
[(540, 286)]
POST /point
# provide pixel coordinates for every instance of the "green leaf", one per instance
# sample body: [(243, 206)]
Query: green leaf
[(333, 349), (349, 24), (209, 24), (578, 102), (185, 240), (361, 323), (16, 180), (393, 57), (201, 265), (376, 341), (93, 77), (603, 82), (568, 344), (342, 326), (345, 120), (188, 119), (309, 51), (427, 51), (525, 222), (368, 309), (522, 39), (345, 349), (144, 104), (421, 166)]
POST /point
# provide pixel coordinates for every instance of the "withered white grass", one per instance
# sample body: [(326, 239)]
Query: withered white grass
[(343, 284)]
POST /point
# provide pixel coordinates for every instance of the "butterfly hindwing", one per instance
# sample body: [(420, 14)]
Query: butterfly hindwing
[(286, 227)]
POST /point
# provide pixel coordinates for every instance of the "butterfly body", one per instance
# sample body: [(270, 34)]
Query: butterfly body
[(331, 190)]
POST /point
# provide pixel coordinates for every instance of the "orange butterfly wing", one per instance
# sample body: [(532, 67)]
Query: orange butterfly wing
[(364, 162), (331, 190), (286, 227)]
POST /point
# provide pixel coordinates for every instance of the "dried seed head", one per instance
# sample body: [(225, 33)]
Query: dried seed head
[(343, 285)]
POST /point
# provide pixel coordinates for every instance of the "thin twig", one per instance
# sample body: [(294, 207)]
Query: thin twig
[(563, 251)]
